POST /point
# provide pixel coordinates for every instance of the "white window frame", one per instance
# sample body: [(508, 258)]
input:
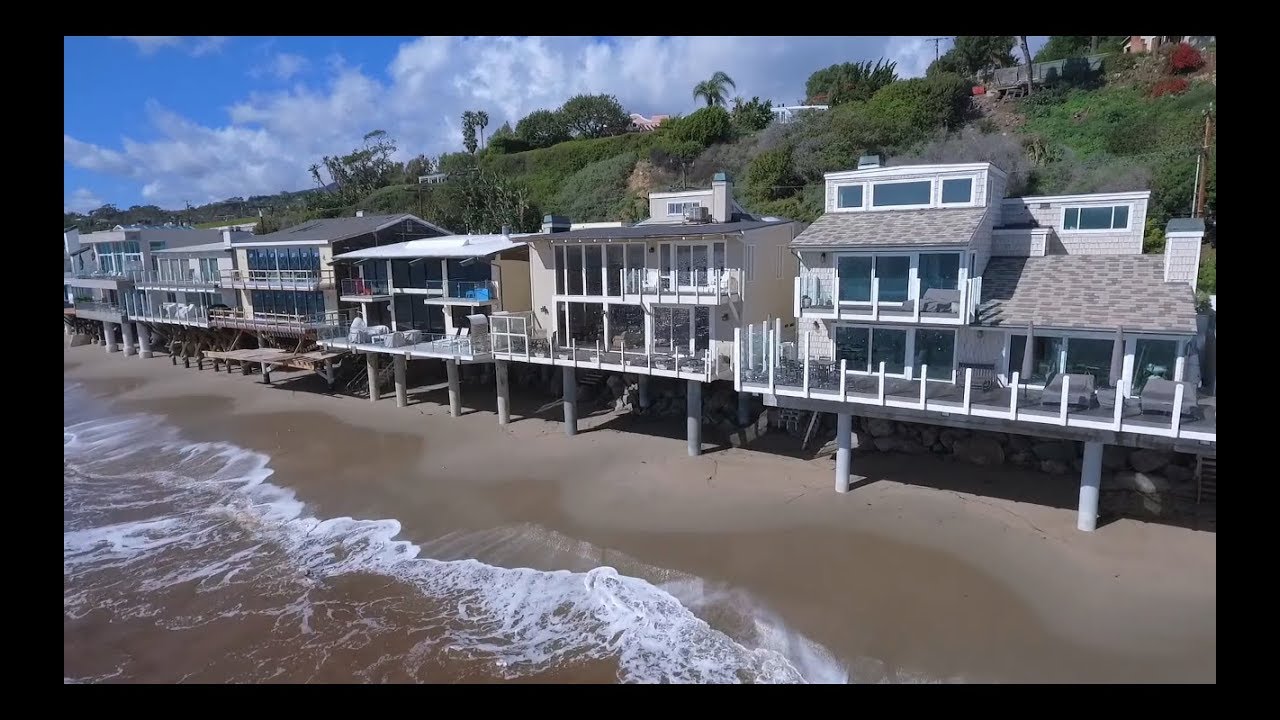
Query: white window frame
[(603, 249), (865, 195), (782, 261), (1062, 221), (935, 193), (931, 182), (681, 206), (910, 349), (749, 262), (973, 191)]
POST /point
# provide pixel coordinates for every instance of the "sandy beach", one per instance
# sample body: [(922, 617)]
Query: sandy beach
[(925, 571)]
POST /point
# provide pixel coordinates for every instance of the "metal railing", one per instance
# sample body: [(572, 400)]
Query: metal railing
[(767, 364), (277, 279), (481, 291), (364, 287), (98, 308), (819, 294), (456, 345), (165, 278), (97, 272)]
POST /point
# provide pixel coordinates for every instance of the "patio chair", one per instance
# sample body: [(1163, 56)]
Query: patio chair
[(1157, 396), (984, 376), (1079, 393), (937, 300)]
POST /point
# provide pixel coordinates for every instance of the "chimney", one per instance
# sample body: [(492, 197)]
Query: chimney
[(867, 162), (721, 197), (1182, 238), (506, 230), (359, 213), (555, 224), (226, 239)]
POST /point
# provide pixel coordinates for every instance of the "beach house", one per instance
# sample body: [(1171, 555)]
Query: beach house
[(925, 295)]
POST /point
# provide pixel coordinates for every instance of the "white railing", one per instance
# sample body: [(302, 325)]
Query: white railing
[(165, 278), (165, 312), (478, 291), (98, 308), (364, 287), (818, 295), (765, 364), (407, 342), (240, 318), (282, 279), (712, 284)]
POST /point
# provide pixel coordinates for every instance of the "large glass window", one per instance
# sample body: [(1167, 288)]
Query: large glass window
[(1107, 217), (956, 191), (849, 196), (853, 344), (583, 323), (855, 278), (1046, 358), (937, 349), (613, 269), (1089, 356), (939, 271), (890, 347), (574, 266), (901, 193), (1153, 358), (626, 327), (894, 273), (594, 266)]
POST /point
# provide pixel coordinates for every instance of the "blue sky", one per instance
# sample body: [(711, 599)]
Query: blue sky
[(169, 119)]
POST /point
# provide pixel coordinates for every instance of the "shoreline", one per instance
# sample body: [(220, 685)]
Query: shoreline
[(940, 581)]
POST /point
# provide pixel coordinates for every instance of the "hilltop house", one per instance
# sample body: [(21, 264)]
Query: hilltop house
[(925, 295)]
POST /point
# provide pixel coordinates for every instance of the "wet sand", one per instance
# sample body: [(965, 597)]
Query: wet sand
[(927, 568)]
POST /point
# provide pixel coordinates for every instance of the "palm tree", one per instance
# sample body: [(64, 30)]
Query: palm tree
[(715, 89), (482, 122)]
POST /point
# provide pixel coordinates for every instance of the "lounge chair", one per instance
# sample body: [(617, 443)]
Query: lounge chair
[(938, 300), (1080, 391), (984, 375), (1158, 397)]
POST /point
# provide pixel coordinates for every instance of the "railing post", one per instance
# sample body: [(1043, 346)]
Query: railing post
[(881, 390), (968, 389), (924, 377), (1176, 421), (875, 298), (677, 359), (844, 384), (963, 310), (598, 355), (795, 298), (805, 383), (1013, 396), (914, 293), (1179, 368), (1118, 411), (1062, 407), (751, 347), (773, 360), (737, 359)]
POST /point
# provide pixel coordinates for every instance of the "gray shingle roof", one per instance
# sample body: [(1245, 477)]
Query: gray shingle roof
[(635, 232), (1086, 292), (1185, 225), (326, 230), (892, 227)]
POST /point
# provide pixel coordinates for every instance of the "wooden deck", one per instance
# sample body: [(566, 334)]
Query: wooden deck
[(278, 358)]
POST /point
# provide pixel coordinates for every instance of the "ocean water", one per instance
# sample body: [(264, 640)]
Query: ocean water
[(183, 562)]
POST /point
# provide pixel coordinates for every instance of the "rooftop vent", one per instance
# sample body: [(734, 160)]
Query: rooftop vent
[(359, 213), (868, 161)]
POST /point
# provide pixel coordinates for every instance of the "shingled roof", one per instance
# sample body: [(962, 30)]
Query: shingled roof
[(893, 227), (330, 230), (1086, 292)]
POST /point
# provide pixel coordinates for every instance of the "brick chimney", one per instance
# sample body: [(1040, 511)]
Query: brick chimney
[(1182, 238), (721, 197)]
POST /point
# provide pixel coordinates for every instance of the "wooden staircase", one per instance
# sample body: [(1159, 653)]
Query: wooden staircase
[(1206, 479)]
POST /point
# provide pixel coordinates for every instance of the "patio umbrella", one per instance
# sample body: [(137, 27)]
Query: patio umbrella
[(1027, 351), (1117, 358)]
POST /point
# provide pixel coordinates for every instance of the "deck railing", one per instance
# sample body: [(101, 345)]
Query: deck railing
[(277, 279), (278, 322), (697, 283), (477, 291), (165, 278), (818, 295), (98, 308), (768, 365), (364, 287), (165, 312), (341, 335)]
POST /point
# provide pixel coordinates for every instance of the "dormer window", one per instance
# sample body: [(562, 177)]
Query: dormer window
[(916, 193), (677, 209), (958, 191), (1103, 218), (849, 196)]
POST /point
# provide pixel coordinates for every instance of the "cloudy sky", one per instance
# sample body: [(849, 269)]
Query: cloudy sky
[(169, 120)]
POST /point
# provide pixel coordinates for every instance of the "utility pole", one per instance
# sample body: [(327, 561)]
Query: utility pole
[(1203, 175), (935, 41)]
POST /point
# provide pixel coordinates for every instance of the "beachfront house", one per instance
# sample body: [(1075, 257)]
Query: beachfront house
[(662, 297), (926, 295)]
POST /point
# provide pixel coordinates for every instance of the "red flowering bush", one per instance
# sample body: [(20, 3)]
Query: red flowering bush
[(1170, 86), (1185, 59)]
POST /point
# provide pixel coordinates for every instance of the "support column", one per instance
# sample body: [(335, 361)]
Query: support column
[(109, 336), (645, 400), (570, 401), (266, 374), (744, 408), (371, 360), (126, 330), (693, 419), (402, 384), (1090, 479), (455, 388), (844, 450), (144, 341), (504, 391), (328, 372)]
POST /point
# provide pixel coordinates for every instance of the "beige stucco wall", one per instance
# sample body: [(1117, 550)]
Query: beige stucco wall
[(658, 205), (769, 293), (513, 283), (542, 285)]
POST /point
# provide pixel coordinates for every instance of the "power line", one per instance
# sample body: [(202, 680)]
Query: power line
[(936, 41)]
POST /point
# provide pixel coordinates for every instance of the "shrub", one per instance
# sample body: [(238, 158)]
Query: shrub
[(594, 116), (597, 191), (916, 107), (752, 116), (507, 144), (703, 127), (770, 177), (1185, 58), (670, 153), (1170, 86), (1207, 279), (542, 128)]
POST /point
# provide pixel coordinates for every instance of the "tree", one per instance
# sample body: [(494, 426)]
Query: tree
[(490, 201), (469, 122), (360, 172), (1060, 47), (713, 90), (542, 128), (594, 116), (704, 126), (482, 121), (753, 115), (1026, 56), (848, 82), (972, 56)]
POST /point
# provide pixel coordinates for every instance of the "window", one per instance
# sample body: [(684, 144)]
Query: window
[(855, 278), (901, 193), (574, 270), (678, 208), (889, 347), (849, 196), (1107, 217), (614, 265), (1046, 358), (594, 269), (749, 263), (1153, 358), (957, 191), (1090, 356), (560, 268), (937, 349), (155, 245), (853, 345), (939, 272), (894, 274)]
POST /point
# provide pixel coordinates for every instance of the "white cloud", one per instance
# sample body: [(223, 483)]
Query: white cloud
[(195, 46), (271, 138), (82, 201), (282, 66)]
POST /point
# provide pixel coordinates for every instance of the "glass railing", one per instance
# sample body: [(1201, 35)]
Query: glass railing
[(364, 287), (171, 279), (481, 291), (240, 318), (101, 308), (817, 292), (932, 301), (276, 278), (713, 282)]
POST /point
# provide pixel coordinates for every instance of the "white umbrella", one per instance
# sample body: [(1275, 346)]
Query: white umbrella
[(1117, 358), (1027, 351)]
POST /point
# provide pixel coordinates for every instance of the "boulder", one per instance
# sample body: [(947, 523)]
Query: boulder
[(949, 436), (979, 450), (1147, 461), (1115, 457), (1054, 467), (928, 435), (1022, 459), (1059, 451), (1019, 443), (1177, 474), (879, 427), (616, 385), (1144, 483), (887, 443)]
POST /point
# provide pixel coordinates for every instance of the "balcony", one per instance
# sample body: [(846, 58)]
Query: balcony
[(770, 367), (108, 312), (103, 277), (305, 280), (168, 313), (175, 282), (364, 290), (454, 292), (410, 343), (815, 296), (698, 286), (278, 323)]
